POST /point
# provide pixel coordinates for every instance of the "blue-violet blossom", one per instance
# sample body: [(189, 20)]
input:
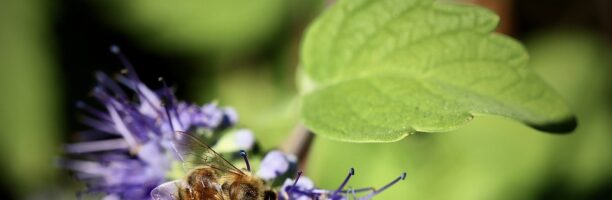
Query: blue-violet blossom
[(276, 164), (128, 152)]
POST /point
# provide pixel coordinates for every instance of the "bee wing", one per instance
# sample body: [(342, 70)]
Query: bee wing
[(195, 153), (167, 190)]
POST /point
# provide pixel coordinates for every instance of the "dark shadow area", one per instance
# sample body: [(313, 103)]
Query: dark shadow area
[(566, 126)]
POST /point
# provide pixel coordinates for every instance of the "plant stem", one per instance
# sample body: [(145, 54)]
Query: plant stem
[(298, 144)]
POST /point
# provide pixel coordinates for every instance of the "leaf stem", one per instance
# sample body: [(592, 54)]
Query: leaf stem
[(298, 144)]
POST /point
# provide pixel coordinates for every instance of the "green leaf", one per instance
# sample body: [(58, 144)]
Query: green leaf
[(379, 70)]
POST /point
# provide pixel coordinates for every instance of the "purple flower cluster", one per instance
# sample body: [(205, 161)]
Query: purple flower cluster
[(128, 152), (275, 164)]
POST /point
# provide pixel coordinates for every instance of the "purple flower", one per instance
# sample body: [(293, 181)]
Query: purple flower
[(303, 189), (129, 150), (274, 164), (303, 182)]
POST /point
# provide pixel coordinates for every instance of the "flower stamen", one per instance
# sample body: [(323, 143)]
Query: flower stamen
[(170, 104), (401, 177), (142, 91), (299, 173), (351, 173)]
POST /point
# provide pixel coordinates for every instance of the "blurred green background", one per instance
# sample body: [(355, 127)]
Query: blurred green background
[(244, 54)]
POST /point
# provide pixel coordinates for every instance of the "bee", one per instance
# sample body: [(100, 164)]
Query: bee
[(210, 176)]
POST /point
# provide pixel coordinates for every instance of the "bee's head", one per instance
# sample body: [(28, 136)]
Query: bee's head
[(245, 189)]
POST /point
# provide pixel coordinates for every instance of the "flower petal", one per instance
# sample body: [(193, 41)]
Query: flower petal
[(274, 164), (167, 190)]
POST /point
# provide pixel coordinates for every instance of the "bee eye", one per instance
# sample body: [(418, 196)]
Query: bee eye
[(243, 191), (269, 195)]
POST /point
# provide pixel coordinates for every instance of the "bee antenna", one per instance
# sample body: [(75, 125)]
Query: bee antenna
[(246, 160), (299, 174), (351, 173)]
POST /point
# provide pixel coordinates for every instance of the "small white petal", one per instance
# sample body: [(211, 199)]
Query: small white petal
[(167, 190), (111, 197), (273, 164), (244, 139)]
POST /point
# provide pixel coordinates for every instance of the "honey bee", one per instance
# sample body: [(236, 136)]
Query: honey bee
[(210, 176)]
